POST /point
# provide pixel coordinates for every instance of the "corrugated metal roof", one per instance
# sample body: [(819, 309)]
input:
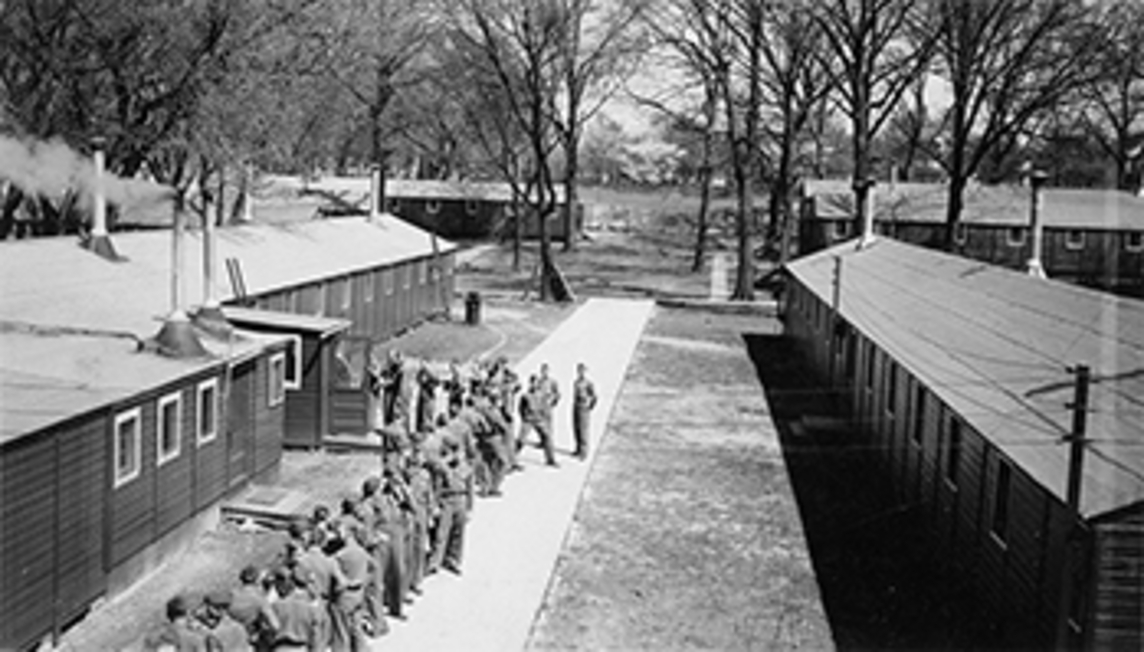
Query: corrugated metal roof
[(995, 345), (1002, 205)]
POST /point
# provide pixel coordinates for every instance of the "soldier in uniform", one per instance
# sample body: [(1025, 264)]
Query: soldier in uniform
[(299, 619), (385, 384), (356, 566), (583, 402), (452, 487), (536, 412), (181, 632), (420, 483), (548, 387), (323, 580), (249, 606), (427, 384)]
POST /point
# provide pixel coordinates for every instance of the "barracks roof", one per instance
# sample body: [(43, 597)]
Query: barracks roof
[(1000, 205), (70, 320), (995, 345), (356, 189)]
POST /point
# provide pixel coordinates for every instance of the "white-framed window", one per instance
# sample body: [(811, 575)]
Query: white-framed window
[(841, 229), (347, 298), (206, 414), (1134, 240), (960, 233), (292, 373), (422, 271), (1015, 236), (276, 380), (432, 206), (168, 428), (472, 206), (1074, 239), (406, 275), (127, 444), (368, 286)]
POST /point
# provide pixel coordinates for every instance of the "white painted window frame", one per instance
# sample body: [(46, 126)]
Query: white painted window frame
[(163, 457), (135, 414), (296, 381), (203, 435), (276, 370)]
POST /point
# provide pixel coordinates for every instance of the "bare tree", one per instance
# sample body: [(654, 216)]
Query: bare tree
[(518, 45), (597, 50), (1115, 95), (875, 62), (795, 80), (688, 32), (1007, 62)]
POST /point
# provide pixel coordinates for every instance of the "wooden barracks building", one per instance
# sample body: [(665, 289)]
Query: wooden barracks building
[(458, 210), (961, 375), (114, 452), (1091, 237)]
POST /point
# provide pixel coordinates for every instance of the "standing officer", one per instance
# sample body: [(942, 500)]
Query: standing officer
[(536, 410), (583, 402)]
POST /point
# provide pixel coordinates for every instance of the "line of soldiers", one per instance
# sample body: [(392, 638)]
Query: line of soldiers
[(340, 576)]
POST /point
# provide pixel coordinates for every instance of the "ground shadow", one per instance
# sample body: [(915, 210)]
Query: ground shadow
[(881, 585)]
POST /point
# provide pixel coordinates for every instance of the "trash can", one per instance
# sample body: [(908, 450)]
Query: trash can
[(473, 308)]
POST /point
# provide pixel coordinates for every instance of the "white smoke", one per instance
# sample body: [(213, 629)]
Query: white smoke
[(52, 168)]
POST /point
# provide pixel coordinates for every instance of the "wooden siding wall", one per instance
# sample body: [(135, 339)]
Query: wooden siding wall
[(489, 221), (64, 527), (304, 425), (399, 299), (268, 422), (1119, 597), (1017, 576), (1104, 260)]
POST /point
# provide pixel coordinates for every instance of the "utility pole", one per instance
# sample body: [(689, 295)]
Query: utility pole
[(1072, 560)]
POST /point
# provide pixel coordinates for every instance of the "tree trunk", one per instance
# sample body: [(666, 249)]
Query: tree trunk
[(953, 211), (12, 201), (701, 218), (571, 195), (705, 172), (744, 277)]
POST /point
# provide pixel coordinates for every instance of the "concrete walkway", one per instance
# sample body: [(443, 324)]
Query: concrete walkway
[(512, 542)]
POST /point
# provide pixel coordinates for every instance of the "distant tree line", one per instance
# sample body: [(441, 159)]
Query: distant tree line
[(200, 95), (787, 89)]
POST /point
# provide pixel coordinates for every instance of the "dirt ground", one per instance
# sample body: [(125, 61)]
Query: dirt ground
[(687, 535)]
